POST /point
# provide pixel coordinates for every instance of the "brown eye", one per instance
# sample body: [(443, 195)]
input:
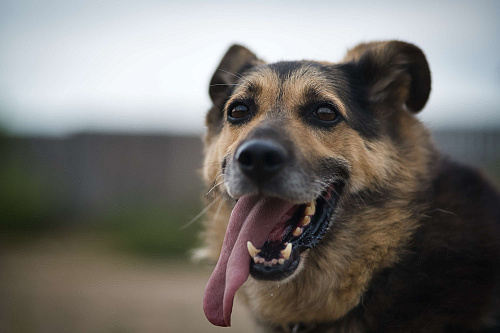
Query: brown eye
[(239, 111), (326, 113)]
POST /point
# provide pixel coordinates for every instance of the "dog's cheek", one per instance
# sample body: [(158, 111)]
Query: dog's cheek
[(215, 152), (372, 163), (229, 180), (210, 165)]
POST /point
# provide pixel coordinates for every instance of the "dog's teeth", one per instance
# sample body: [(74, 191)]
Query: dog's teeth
[(252, 250), (274, 261), (261, 260), (281, 261), (310, 209), (305, 221), (256, 260), (297, 232), (287, 251)]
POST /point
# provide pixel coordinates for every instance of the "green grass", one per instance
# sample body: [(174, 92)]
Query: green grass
[(27, 201)]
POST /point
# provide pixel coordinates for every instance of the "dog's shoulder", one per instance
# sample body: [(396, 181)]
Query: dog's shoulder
[(452, 264), (465, 189)]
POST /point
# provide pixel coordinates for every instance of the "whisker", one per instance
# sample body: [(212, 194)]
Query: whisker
[(222, 182), (233, 74), (326, 184), (335, 191), (441, 211), (210, 164), (226, 84), (217, 176), (200, 214)]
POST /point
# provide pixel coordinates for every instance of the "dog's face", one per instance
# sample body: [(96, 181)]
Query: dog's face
[(291, 150)]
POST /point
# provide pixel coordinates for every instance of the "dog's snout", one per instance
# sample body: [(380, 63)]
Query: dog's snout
[(261, 159)]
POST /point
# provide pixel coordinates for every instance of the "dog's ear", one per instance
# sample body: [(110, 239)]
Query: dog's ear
[(394, 71), (235, 62)]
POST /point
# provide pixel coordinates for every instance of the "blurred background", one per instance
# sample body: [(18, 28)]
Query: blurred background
[(101, 112)]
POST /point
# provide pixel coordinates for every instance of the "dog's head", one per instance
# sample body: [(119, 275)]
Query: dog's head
[(291, 145)]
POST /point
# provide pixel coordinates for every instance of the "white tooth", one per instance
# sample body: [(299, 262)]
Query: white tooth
[(252, 250), (287, 251), (281, 261), (256, 260), (297, 232), (261, 260), (305, 221), (310, 208), (274, 261)]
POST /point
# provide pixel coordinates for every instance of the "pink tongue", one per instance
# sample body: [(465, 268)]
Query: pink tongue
[(252, 219)]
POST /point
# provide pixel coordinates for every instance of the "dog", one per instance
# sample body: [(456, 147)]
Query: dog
[(330, 208)]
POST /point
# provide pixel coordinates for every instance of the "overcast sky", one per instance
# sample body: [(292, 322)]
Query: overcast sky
[(68, 66)]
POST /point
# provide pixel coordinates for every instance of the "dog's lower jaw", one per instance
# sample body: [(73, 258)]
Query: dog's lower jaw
[(275, 302)]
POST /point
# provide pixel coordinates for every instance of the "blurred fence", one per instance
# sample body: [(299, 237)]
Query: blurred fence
[(90, 173), (480, 148)]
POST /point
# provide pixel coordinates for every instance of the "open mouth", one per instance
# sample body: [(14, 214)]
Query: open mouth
[(279, 257), (264, 237)]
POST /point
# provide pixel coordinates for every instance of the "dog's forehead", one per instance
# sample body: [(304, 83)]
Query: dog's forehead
[(292, 83), (298, 74)]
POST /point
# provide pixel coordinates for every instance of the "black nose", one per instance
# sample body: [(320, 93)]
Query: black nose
[(261, 159)]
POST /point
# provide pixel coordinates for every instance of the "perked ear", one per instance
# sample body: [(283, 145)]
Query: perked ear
[(396, 72), (236, 60)]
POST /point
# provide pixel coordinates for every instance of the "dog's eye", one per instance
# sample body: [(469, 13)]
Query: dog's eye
[(239, 111), (326, 113)]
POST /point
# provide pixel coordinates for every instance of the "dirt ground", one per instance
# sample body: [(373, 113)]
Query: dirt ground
[(73, 284)]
